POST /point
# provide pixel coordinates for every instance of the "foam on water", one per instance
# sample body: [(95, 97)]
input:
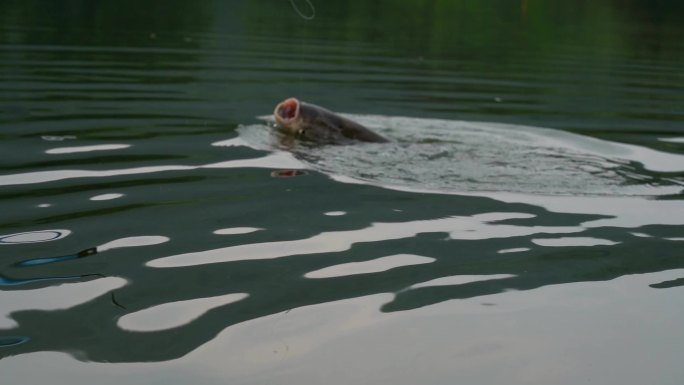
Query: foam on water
[(459, 156)]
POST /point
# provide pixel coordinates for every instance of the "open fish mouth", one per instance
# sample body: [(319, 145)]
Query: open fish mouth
[(287, 111)]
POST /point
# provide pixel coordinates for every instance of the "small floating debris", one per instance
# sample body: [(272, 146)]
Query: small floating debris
[(57, 138), (286, 173), (335, 213), (9, 341)]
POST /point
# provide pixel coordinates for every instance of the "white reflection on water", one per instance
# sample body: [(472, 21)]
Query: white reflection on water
[(540, 337), (573, 241), (63, 296), (373, 266), (146, 240), (672, 140), (275, 160), (476, 227), (100, 147), (627, 212), (544, 336), (55, 175), (236, 230), (174, 314), (461, 280), (514, 250)]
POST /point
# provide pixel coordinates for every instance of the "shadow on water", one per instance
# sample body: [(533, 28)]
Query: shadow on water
[(466, 236)]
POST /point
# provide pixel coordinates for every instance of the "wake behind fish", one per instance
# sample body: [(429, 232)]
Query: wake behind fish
[(460, 156)]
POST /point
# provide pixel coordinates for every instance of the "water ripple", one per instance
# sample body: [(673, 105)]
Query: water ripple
[(33, 237), (481, 226)]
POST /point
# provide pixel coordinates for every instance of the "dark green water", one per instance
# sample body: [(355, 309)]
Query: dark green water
[(207, 269)]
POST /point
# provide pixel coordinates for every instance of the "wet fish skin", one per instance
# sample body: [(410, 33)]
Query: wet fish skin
[(320, 125)]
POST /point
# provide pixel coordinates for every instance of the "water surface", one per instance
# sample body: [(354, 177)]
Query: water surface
[(525, 225)]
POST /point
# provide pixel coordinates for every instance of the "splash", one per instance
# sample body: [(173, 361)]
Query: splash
[(459, 156)]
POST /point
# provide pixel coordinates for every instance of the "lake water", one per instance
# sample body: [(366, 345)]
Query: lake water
[(525, 224)]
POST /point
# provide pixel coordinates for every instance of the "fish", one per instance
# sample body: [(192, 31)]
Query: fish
[(315, 124)]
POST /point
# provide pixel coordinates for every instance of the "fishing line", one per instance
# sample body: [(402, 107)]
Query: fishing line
[(301, 14)]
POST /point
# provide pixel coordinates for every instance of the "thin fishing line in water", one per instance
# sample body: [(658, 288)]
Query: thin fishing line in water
[(301, 14)]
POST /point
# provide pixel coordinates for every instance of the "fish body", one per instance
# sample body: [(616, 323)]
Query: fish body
[(313, 123)]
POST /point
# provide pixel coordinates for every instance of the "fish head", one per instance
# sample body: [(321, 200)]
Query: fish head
[(287, 114)]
